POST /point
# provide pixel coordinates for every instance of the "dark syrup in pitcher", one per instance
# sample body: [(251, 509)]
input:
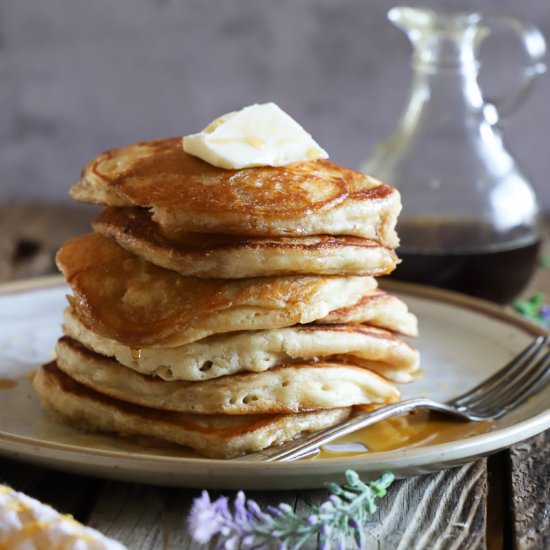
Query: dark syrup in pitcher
[(443, 254)]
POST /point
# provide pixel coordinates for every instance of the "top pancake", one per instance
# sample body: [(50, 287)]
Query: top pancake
[(188, 194)]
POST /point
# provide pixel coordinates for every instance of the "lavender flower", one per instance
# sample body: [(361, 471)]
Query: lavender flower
[(544, 312), (207, 518), (339, 521)]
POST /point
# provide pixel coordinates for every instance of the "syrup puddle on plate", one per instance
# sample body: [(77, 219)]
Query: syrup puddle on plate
[(7, 383), (417, 429)]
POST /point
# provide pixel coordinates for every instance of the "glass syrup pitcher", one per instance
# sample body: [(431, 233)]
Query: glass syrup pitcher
[(470, 219)]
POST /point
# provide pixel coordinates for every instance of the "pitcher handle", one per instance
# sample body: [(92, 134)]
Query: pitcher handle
[(534, 45)]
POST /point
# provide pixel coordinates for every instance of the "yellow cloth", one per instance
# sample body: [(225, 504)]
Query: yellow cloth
[(26, 523)]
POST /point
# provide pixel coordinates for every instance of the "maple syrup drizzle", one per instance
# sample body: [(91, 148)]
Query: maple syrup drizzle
[(417, 429)]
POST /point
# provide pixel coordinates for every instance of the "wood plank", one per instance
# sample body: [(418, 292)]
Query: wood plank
[(441, 511), (69, 493), (530, 491), (144, 517)]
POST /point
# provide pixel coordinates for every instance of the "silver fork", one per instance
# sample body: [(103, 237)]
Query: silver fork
[(525, 374)]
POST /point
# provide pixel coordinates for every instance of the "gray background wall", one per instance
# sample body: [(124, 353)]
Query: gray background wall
[(80, 76)]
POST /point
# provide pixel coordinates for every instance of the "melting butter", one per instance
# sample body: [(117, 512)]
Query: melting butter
[(258, 135)]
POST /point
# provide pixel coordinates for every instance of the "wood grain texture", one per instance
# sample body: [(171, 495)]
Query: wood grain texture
[(143, 517), (530, 492), (441, 511)]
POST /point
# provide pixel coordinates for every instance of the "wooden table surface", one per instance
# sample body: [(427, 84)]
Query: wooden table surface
[(499, 502)]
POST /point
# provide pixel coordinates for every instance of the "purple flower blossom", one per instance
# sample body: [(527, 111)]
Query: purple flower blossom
[(207, 518), (358, 529), (256, 511), (327, 506), (326, 531), (232, 543), (313, 519), (544, 312), (341, 542), (285, 508), (275, 511), (242, 515)]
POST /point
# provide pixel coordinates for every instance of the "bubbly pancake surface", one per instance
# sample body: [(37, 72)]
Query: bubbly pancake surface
[(139, 304), (217, 436), (286, 389), (233, 256), (185, 193), (257, 351)]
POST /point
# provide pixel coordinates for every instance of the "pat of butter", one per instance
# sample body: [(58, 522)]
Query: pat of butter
[(258, 135)]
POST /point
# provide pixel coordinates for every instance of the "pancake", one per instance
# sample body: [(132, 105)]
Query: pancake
[(235, 257), (188, 194), (377, 308), (139, 304), (288, 389), (218, 436), (258, 351), (389, 371)]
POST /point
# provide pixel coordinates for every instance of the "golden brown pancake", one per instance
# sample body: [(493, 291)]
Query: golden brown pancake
[(188, 194), (123, 297), (376, 308), (299, 387), (217, 436), (258, 351), (234, 257)]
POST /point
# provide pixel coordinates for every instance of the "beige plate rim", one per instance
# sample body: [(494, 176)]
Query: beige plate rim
[(409, 458)]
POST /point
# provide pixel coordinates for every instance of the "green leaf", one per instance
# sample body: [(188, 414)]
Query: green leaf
[(530, 308)]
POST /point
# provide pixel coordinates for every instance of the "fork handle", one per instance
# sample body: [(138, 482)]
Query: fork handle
[(295, 450)]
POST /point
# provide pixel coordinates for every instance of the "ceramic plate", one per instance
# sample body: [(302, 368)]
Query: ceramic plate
[(462, 342)]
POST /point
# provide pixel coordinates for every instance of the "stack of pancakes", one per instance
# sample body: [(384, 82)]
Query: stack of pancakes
[(227, 310)]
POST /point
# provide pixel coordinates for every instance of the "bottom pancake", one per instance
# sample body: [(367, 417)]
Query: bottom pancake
[(216, 436), (299, 387)]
